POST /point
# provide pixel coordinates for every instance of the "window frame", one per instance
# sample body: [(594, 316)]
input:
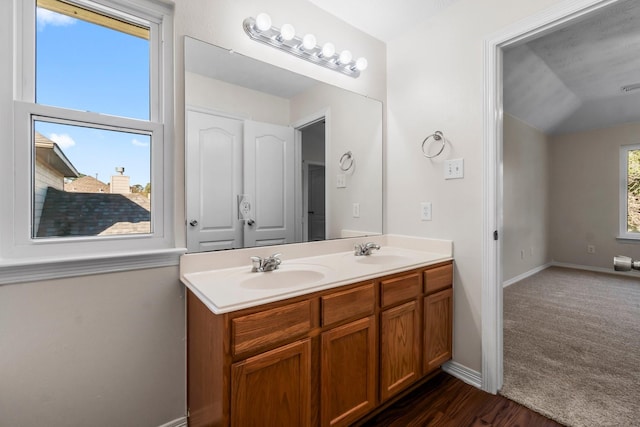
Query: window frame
[(18, 248), (623, 232)]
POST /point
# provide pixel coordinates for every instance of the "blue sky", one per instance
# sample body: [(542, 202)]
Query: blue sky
[(87, 67)]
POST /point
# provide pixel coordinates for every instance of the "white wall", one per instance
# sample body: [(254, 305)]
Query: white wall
[(109, 349), (93, 351), (585, 171), (526, 177), (435, 81)]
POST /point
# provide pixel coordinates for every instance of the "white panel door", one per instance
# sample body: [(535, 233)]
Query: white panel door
[(213, 180), (269, 180)]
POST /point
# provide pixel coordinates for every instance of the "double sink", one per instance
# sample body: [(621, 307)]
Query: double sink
[(229, 289)]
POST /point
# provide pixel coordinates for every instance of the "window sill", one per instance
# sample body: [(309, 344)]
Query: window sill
[(626, 239), (19, 272)]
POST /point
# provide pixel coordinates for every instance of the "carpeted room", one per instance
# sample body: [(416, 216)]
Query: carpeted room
[(572, 346), (571, 335)]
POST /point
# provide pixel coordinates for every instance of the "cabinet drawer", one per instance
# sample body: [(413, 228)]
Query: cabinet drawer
[(269, 327), (438, 278), (399, 289), (343, 305)]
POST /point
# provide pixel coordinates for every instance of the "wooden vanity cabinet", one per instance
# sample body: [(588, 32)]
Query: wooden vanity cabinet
[(438, 316), (400, 333), (324, 359), (273, 388), (348, 386)]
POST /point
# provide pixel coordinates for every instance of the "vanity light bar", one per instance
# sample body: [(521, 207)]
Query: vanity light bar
[(284, 38)]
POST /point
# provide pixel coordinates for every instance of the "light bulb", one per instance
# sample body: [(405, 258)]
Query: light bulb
[(263, 22), (361, 64), (308, 41), (345, 57), (328, 50), (287, 32)]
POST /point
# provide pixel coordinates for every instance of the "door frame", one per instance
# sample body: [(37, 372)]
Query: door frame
[(520, 32), (324, 114)]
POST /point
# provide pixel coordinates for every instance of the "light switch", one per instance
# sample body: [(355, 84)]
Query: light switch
[(454, 169), (341, 181)]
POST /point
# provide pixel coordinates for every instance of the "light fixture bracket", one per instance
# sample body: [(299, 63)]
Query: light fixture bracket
[(294, 47)]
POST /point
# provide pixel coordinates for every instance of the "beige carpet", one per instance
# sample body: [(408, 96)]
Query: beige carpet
[(572, 347)]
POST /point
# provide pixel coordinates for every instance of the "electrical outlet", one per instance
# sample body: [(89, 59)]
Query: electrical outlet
[(356, 210), (591, 249), (425, 211)]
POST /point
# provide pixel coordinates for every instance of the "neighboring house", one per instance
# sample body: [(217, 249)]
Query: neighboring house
[(86, 184), (91, 214), (84, 206), (52, 167)]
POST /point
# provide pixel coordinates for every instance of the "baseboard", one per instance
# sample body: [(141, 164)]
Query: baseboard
[(526, 274), (463, 373), (178, 422), (595, 269)]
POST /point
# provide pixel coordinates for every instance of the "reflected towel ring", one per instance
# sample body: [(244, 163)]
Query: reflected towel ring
[(437, 136), (346, 161)]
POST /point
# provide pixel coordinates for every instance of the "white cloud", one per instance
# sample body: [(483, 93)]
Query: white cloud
[(63, 140), (46, 17), (139, 143)]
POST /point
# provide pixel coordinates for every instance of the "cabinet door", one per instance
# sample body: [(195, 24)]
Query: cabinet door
[(348, 372), (438, 324), (273, 388), (400, 348)]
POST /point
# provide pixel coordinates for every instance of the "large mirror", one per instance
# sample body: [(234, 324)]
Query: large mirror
[(275, 157)]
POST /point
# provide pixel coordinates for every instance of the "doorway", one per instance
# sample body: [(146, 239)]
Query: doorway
[(492, 299), (313, 147)]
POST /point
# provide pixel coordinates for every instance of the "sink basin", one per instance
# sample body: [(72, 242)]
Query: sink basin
[(282, 279), (286, 276), (382, 259)]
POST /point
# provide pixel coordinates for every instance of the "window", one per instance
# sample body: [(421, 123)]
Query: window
[(630, 192), (92, 129)]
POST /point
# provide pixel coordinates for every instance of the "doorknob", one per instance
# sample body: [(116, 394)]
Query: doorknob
[(193, 223), (250, 222)]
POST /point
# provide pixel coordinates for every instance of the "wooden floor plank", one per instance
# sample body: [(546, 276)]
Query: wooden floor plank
[(445, 401)]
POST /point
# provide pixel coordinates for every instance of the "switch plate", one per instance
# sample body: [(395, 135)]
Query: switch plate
[(356, 210), (425, 211), (341, 181), (454, 169)]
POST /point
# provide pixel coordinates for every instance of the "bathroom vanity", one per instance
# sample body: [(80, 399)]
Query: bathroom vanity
[(324, 340)]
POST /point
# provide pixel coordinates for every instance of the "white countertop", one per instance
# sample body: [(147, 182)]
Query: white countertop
[(231, 285)]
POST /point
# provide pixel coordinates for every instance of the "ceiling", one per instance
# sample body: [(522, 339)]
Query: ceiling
[(566, 81), (231, 67), (570, 80), (383, 19)]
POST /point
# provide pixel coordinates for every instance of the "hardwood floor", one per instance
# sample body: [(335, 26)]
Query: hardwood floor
[(447, 401)]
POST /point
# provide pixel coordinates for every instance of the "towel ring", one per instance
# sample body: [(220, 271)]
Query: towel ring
[(436, 136), (346, 161)]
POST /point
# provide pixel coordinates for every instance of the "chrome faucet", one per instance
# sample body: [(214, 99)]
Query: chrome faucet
[(269, 263), (361, 249)]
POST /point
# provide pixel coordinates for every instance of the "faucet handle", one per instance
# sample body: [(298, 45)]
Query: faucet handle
[(256, 263), (276, 258)]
